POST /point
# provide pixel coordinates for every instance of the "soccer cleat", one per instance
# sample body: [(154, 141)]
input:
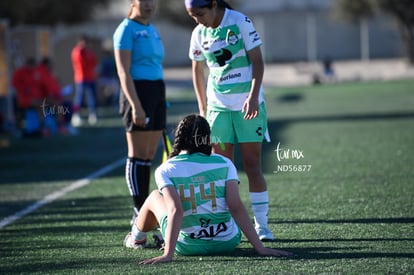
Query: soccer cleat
[(131, 243), (76, 120), (264, 234), (159, 241), (92, 119)]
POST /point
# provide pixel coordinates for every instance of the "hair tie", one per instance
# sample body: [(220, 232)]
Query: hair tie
[(196, 3)]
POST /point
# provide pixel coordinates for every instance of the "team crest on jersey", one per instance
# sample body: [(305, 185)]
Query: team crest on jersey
[(143, 33), (232, 38)]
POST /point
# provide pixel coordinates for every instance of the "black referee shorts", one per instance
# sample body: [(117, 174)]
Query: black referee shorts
[(151, 93)]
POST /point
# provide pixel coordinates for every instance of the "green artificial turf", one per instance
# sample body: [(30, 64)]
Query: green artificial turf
[(349, 210)]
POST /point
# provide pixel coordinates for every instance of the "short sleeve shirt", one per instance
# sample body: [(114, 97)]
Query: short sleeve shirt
[(225, 51), (146, 47), (200, 181)]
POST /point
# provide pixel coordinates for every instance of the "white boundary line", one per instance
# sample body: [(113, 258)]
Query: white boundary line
[(60, 193)]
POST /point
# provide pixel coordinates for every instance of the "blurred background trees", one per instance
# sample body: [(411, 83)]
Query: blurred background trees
[(49, 12), (401, 10), (174, 10)]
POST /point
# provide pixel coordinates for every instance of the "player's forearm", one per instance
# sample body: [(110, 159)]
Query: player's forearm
[(242, 219), (257, 72), (175, 216), (199, 85), (128, 88), (123, 65)]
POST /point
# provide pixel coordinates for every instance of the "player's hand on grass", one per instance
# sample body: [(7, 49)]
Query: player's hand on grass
[(273, 252), (156, 260)]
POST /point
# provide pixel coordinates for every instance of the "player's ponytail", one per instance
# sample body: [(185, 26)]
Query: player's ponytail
[(192, 135)]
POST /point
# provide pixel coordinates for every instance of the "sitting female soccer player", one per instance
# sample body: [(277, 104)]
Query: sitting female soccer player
[(198, 206)]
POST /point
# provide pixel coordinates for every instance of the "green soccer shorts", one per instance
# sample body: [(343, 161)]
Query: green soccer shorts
[(193, 247), (231, 127)]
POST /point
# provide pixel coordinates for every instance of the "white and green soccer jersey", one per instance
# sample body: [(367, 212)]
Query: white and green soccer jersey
[(200, 181), (225, 51)]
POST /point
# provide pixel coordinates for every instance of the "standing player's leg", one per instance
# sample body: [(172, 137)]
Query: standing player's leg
[(77, 103), (222, 135), (143, 142), (251, 155), (92, 102), (250, 135), (142, 146), (224, 149)]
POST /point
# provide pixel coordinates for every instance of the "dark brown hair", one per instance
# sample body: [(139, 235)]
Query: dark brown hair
[(192, 135), (221, 3)]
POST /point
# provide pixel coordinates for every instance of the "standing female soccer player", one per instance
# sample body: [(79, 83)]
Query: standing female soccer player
[(139, 53), (233, 101), (197, 204)]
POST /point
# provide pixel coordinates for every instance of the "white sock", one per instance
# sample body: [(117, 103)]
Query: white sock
[(137, 235), (260, 207)]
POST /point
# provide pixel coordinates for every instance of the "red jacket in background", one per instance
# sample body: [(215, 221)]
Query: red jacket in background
[(25, 84), (84, 64), (47, 82)]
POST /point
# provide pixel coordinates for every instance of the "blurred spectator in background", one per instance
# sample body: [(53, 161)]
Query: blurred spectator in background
[(55, 109), (328, 70), (108, 79), (40, 106), (84, 63), (326, 75), (28, 97)]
